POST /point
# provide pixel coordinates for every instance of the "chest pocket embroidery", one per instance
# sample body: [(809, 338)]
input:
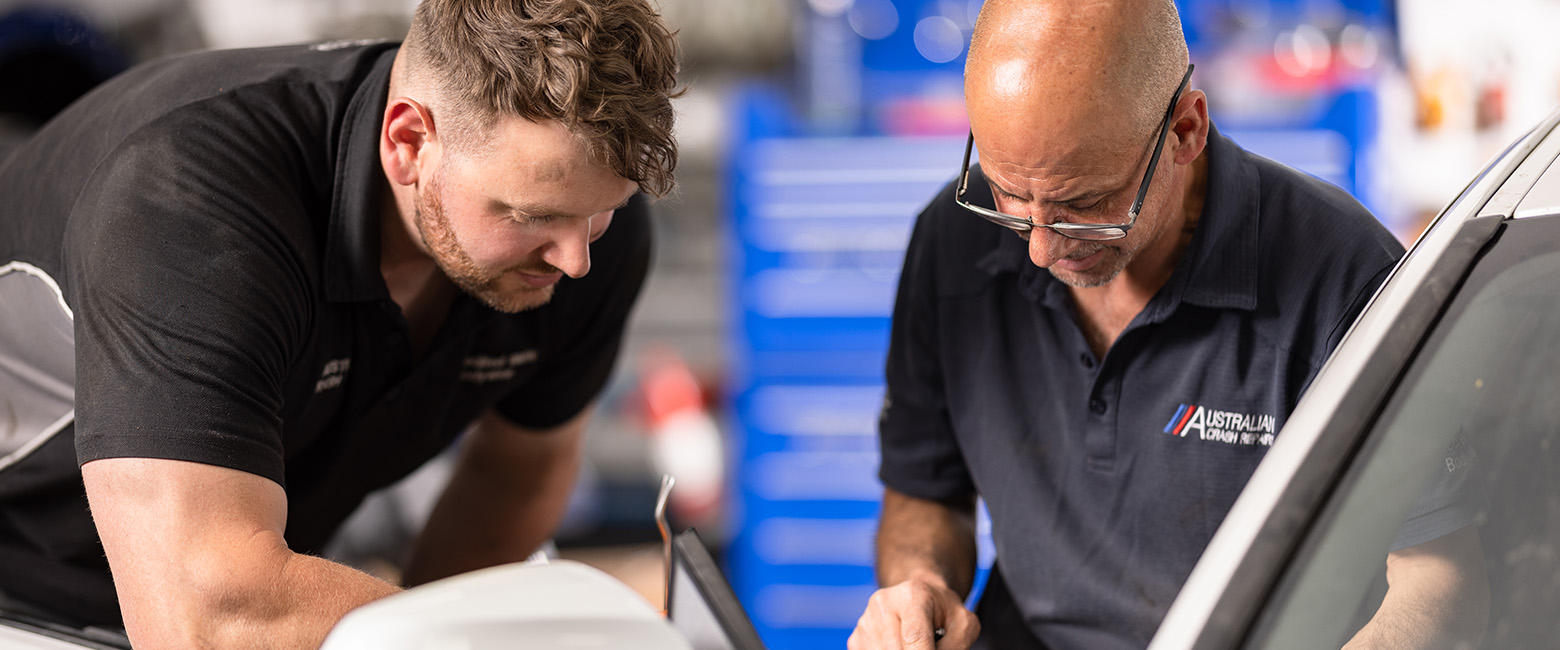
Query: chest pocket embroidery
[(1227, 427), (334, 373), (486, 368)]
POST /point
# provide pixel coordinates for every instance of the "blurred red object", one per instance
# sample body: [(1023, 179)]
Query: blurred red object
[(685, 442)]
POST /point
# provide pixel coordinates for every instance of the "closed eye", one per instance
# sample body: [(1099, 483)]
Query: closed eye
[(1003, 196), (533, 219)]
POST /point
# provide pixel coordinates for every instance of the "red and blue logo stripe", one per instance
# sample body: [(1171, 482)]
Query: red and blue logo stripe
[(1177, 424)]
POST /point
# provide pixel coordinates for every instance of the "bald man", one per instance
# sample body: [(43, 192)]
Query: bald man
[(1107, 379)]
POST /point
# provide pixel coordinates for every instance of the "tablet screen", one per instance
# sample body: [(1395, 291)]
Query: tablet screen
[(700, 602)]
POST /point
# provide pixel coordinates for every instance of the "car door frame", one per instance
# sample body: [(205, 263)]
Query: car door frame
[(1235, 578)]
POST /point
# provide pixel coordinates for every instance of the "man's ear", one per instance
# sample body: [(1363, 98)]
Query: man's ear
[(1190, 125), (406, 140)]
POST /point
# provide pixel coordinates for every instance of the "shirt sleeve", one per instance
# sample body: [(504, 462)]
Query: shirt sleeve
[(920, 454), (1452, 497), (584, 325), (190, 301)]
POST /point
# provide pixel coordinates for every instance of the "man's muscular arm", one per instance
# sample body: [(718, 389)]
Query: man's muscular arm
[(926, 566), (1438, 596), (199, 560), (506, 497)]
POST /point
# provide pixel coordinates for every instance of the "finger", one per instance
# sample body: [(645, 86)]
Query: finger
[(870, 632), (857, 640), (916, 628), (962, 628)]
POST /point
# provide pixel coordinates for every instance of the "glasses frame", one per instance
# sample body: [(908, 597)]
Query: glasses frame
[(1085, 231)]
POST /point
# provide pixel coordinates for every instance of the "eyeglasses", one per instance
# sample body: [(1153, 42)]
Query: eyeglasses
[(1088, 231)]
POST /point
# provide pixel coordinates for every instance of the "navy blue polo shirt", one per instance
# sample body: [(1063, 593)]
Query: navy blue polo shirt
[(1106, 477), (195, 247)]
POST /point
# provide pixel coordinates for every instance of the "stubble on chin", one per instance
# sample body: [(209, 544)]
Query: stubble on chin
[(1106, 269), (511, 302)]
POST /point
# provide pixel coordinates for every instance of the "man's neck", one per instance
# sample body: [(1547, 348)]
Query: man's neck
[(414, 280), (1105, 311)]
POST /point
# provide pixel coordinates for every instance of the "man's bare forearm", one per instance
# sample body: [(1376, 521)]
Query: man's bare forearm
[(921, 538), (507, 495), (1438, 596), (308, 598), (199, 559)]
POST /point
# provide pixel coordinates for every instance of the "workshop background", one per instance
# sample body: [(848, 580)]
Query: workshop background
[(811, 135)]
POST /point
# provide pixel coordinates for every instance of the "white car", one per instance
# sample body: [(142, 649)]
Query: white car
[(1459, 348)]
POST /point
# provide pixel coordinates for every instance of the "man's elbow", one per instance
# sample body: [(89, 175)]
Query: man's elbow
[(216, 599), (1445, 582)]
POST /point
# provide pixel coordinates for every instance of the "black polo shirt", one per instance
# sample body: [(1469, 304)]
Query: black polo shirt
[(195, 246), (1106, 477)]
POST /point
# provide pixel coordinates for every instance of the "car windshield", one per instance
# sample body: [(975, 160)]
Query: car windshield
[(1465, 443)]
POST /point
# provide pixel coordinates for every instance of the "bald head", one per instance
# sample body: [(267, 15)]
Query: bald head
[(1065, 60)]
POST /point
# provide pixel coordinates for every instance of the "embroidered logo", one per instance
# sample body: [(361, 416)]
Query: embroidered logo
[(1460, 455), (334, 373), (1228, 427), (485, 368)]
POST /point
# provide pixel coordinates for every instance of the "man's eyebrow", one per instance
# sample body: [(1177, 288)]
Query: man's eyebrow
[(541, 211), (529, 209), (1082, 195), (1002, 190)]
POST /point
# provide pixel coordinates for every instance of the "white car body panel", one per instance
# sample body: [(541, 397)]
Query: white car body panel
[(1496, 194), (561, 605)]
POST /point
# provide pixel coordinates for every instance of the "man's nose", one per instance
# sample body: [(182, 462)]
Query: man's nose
[(1046, 246), (570, 249)]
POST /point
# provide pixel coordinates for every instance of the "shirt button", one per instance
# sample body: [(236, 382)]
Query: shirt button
[(1098, 406), (1087, 359)]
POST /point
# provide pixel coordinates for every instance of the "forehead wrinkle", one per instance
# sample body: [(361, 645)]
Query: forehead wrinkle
[(1054, 187), (1082, 159)]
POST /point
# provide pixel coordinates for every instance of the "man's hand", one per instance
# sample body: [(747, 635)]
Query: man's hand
[(907, 615), (1438, 596), (926, 564), (199, 560)]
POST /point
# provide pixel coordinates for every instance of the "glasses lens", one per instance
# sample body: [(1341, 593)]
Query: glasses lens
[(1014, 224), (1091, 234)]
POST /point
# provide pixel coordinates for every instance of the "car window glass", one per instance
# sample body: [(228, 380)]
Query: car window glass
[(1468, 442)]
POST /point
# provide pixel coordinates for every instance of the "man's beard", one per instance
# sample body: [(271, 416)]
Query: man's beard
[(1109, 266), (434, 227)]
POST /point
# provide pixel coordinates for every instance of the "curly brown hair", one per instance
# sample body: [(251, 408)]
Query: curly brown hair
[(606, 69)]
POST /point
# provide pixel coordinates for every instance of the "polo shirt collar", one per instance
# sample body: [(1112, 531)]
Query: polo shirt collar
[(1218, 268), (352, 244)]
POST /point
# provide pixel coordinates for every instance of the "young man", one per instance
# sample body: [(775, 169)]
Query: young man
[(1157, 265), (243, 289)]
